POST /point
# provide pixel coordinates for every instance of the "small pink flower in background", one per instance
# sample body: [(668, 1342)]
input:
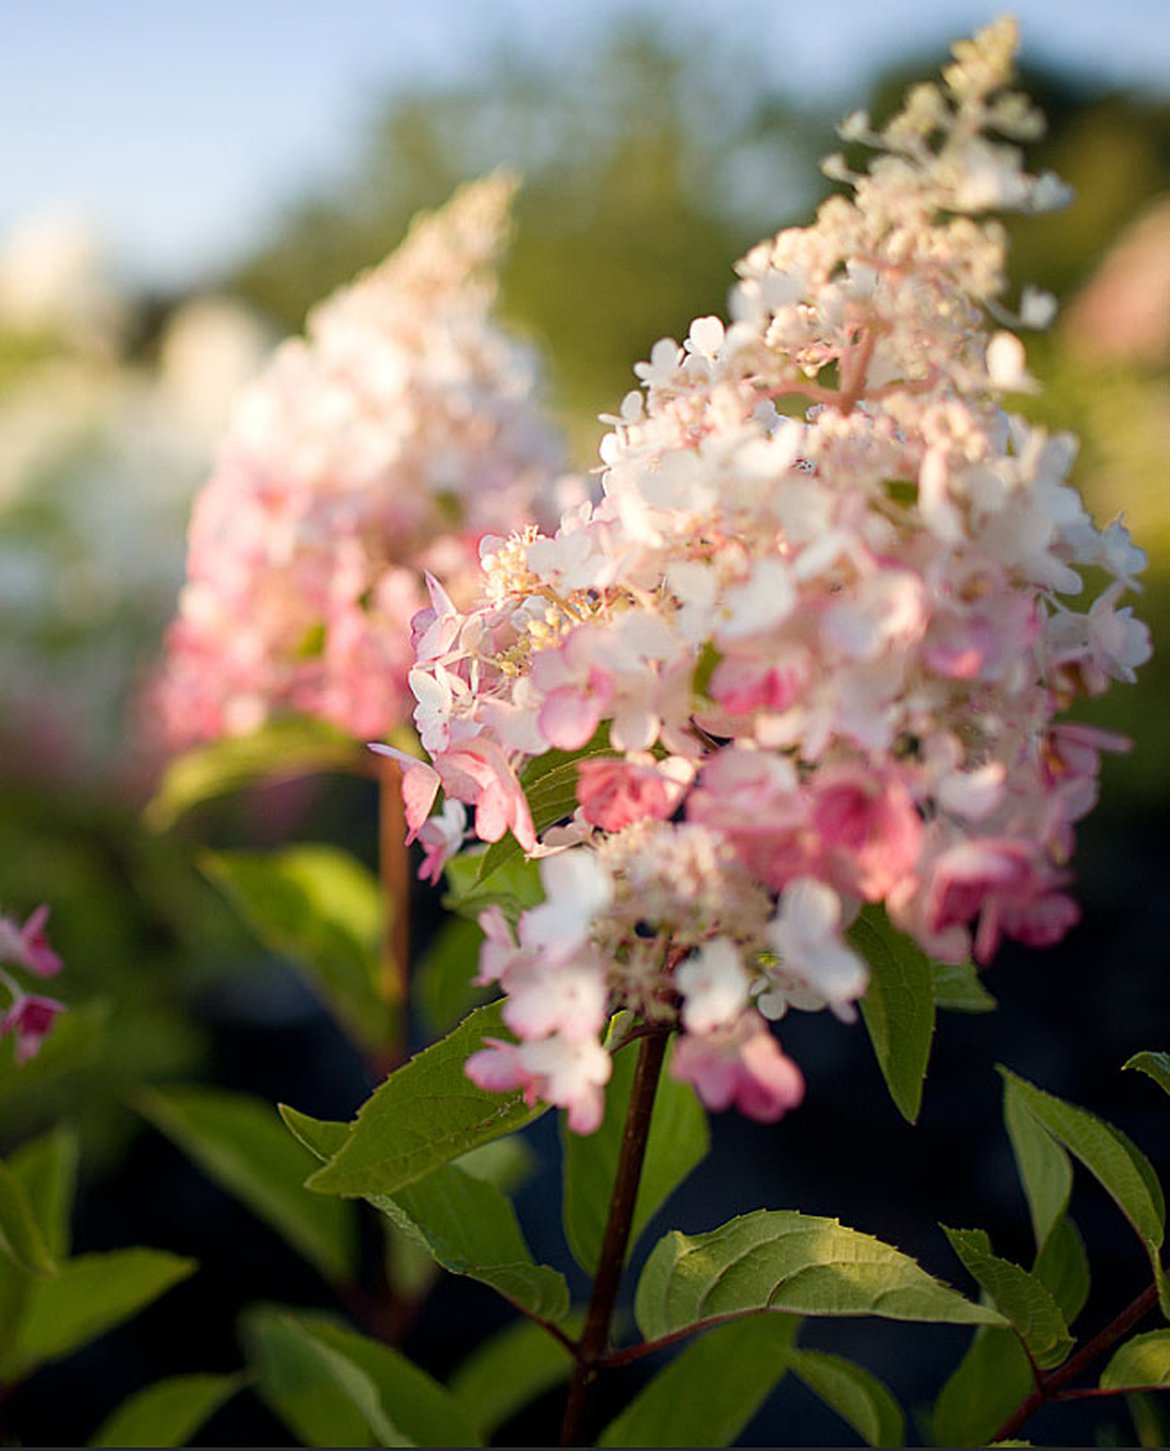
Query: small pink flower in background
[(29, 1016), (29, 1019), (27, 946)]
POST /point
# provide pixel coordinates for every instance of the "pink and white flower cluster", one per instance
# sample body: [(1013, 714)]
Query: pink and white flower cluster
[(29, 1016), (816, 635), (390, 439)]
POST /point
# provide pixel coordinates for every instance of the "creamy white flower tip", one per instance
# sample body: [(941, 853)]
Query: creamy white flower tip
[(855, 127), (714, 986), (1037, 307), (705, 336), (1007, 366)]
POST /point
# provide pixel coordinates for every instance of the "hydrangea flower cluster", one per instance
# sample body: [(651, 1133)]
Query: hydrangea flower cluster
[(29, 1016), (390, 439), (812, 643)]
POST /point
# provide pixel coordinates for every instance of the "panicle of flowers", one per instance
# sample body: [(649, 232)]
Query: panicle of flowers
[(29, 1016), (386, 442), (816, 637)]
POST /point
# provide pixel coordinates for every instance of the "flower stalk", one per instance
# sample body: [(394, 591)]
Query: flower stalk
[(394, 872), (595, 1336)]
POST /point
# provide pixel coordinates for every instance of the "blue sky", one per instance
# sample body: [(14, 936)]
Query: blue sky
[(177, 130)]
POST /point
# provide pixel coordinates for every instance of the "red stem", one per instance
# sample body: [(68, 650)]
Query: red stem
[(590, 1349), (1048, 1386)]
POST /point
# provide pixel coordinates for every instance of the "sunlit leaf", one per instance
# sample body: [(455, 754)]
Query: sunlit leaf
[(1020, 1297), (708, 1393), (283, 749), (1142, 1361), (783, 1260), (513, 886), (898, 1006), (679, 1140), (167, 1413), (424, 1115), (319, 907), (240, 1142)]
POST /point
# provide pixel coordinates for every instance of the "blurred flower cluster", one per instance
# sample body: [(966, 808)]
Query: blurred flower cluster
[(390, 439), (814, 641)]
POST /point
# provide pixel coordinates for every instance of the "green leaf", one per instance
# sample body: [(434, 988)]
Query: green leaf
[(89, 1296), (1142, 1361), (959, 989), (167, 1413), (322, 1137), (506, 1163), (550, 784), (855, 1394), (46, 1167), (1019, 1296), (387, 1399), (708, 1394), (784, 1260), (991, 1380), (471, 1229), (1118, 1165), (898, 1006), (1063, 1267), (323, 910), (426, 1114), (1153, 1065), (507, 1371), (20, 1235), (513, 886), (442, 989), (241, 1144), (461, 1217), (296, 1383), (282, 749), (679, 1140), (1150, 1422), (1043, 1164)]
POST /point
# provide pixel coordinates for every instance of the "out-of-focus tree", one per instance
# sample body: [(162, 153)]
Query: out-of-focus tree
[(650, 163), (648, 166)]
